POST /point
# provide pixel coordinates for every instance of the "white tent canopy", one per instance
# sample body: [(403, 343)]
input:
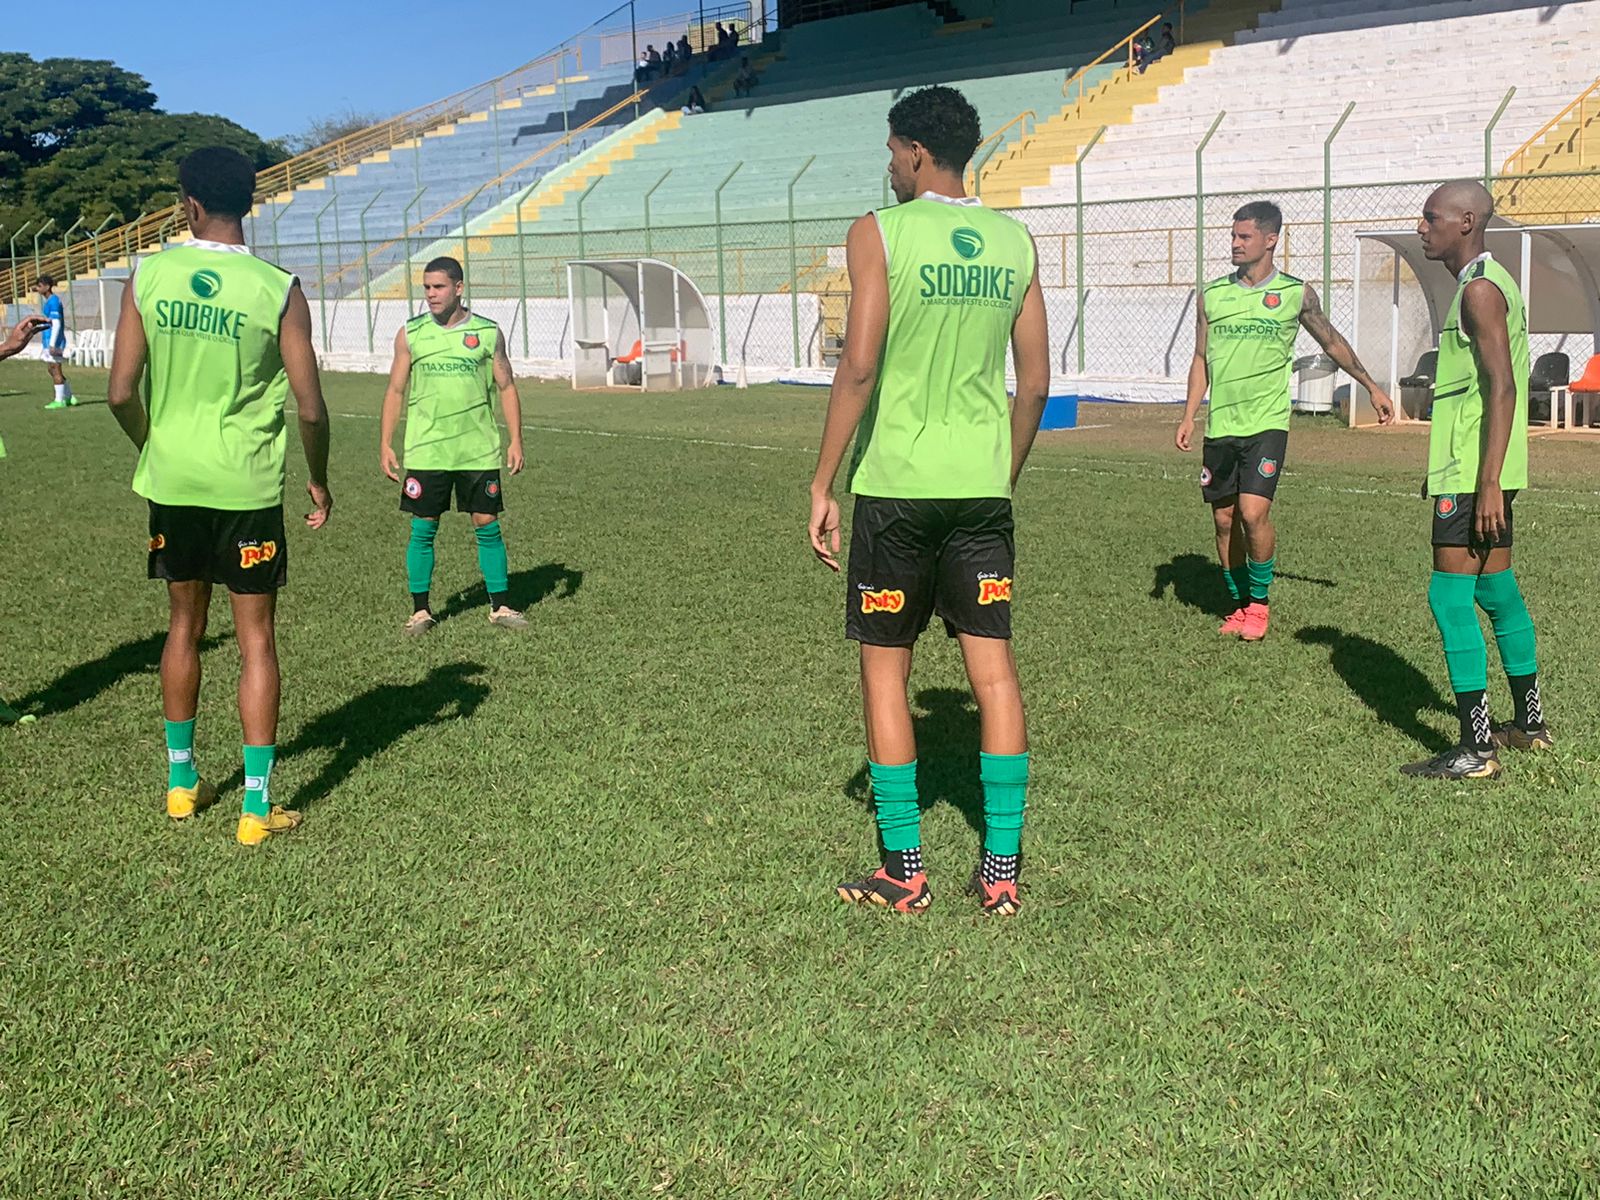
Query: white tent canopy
[(1402, 299), (637, 322)]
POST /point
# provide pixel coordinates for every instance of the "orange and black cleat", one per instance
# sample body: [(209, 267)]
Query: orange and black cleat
[(996, 899), (902, 895)]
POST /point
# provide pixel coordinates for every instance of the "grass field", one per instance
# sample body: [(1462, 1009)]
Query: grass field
[(560, 921)]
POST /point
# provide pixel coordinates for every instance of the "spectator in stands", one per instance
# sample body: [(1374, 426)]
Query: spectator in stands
[(654, 56), (746, 81), (669, 58), (685, 51), (1143, 52), (641, 71), (1168, 42), (722, 41), (696, 103)]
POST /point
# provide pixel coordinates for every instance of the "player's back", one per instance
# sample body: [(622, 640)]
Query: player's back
[(211, 317), (939, 426)]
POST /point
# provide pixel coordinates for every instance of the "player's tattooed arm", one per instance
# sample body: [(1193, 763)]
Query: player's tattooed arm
[(1199, 380), (1315, 322), (127, 368), (510, 404)]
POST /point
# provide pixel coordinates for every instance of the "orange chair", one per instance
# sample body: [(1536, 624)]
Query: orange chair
[(1585, 392)]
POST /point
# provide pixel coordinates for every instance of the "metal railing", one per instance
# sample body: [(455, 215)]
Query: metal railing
[(1080, 76), (1583, 109), (993, 142)]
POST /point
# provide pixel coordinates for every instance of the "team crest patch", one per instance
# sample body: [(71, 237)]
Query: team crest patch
[(159, 542), (469, 340), (1205, 476), (492, 487), (1445, 508), (1268, 467), (1271, 300), (413, 487)]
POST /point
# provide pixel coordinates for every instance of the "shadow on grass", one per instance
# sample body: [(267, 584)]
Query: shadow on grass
[(526, 588), (84, 682), (1196, 580), (1385, 682), (948, 741), (368, 725)]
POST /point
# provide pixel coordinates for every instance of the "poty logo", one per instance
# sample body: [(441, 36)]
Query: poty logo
[(413, 487), (205, 284), (253, 554), (1205, 476), (967, 242), (1446, 507), (1271, 300), (469, 340), (994, 591), (890, 601), (1268, 468)]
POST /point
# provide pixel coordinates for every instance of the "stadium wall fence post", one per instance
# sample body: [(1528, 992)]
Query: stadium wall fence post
[(277, 250), (66, 254), (649, 247), (16, 289), (10, 282), (593, 183), (1327, 207), (633, 30), (1488, 137), (405, 235), (494, 115), (366, 255), (1200, 207), (794, 266), (322, 281), (522, 267), (1077, 173), (99, 265), (38, 262), (722, 278), (466, 241)]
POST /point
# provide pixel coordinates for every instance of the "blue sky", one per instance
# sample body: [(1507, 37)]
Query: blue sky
[(275, 67)]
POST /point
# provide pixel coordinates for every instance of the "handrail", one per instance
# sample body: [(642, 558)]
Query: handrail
[(981, 159), (1078, 76), (1514, 164)]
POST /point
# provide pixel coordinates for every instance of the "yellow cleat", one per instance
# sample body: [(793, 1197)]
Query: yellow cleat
[(255, 830), (185, 802)]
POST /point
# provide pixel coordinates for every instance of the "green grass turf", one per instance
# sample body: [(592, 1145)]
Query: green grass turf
[(560, 921)]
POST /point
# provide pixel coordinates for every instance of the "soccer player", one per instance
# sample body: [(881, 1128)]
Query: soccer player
[(939, 285), (14, 345), (53, 342), (1245, 328), (1477, 462), (223, 336), (448, 365)]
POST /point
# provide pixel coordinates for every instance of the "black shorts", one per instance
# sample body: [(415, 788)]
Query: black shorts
[(912, 558), (245, 551), (1453, 517), (427, 493), (1230, 465)]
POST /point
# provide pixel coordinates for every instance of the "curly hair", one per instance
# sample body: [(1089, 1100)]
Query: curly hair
[(942, 120)]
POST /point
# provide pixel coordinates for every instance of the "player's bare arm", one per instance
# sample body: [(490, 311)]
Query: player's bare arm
[(510, 405), (1030, 354), (127, 368), (394, 402), (1199, 381), (300, 365), (1315, 322), (24, 332), (1483, 319), (853, 380)]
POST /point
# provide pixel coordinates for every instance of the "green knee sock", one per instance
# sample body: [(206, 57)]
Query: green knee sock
[(492, 561), (894, 794), (419, 555), (1260, 576), (1466, 656), (1238, 581), (1499, 596), (257, 776), (181, 770), (1005, 795)]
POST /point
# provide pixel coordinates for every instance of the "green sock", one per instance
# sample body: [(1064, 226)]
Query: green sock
[(492, 558), (257, 776), (894, 793), (1500, 597), (1238, 579), (419, 554), (1260, 576), (1466, 656), (181, 771), (1005, 796)]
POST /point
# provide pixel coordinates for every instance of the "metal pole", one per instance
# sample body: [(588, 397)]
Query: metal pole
[(722, 290), (366, 288), (566, 112), (1077, 170), (1327, 208), (39, 233), (649, 247), (1488, 137), (466, 244), (594, 183), (633, 32), (66, 254), (794, 267), (522, 268), (1200, 206), (16, 292), (12, 282), (322, 282), (405, 262), (99, 266), (277, 247)]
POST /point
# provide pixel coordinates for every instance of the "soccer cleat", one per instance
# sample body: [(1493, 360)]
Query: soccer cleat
[(1508, 735), (1254, 626), (55, 404), (184, 802), (421, 622), (72, 402), (508, 618), (902, 895), (996, 899), (10, 716), (1459, 762), (254, 830), (1234, 625)]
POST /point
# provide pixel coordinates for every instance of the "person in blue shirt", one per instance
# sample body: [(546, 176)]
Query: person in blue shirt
[(53, 348)]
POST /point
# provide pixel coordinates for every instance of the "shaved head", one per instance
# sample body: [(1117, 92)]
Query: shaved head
[(1464, 196), (1454, 221)]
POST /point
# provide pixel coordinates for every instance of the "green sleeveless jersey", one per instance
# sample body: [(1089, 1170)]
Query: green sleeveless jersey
[(1455, 442), (214, 377), (939, 424), (449, 403), (1249, 348)]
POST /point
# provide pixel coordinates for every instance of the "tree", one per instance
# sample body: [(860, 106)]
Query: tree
[(330, 128), (45, 106)]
